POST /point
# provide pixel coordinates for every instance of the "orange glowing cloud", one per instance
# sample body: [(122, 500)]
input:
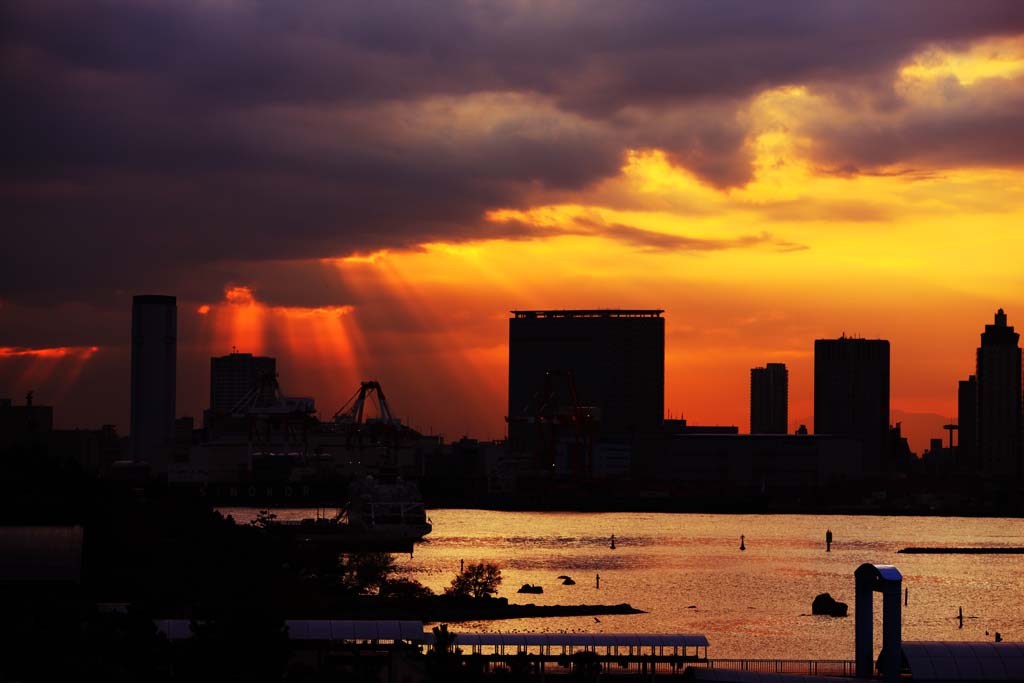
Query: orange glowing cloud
[(316, 347), (55, 370), (84, 352)]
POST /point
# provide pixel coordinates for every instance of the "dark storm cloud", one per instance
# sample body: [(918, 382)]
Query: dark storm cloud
[(976, 125), (656, 241), (147, 143)]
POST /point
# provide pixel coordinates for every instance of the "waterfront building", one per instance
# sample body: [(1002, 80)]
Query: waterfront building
[(616, 360), (234, 375), (154, 349), (769, 399), (717, 467), (851, 393), (999, 399)]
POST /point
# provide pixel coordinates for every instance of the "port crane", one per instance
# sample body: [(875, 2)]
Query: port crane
[(352, 412), (551, 414), (353, 420), (276, 423)]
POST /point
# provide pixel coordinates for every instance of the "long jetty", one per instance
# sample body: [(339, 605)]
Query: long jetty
[(962, 551)]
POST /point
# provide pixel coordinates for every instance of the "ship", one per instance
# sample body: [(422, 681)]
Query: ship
[(382, 515)]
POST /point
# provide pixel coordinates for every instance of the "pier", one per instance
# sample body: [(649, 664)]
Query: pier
[(962, 551)]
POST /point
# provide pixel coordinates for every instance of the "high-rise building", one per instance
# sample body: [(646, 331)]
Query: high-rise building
[(234, 375), (999, 400), (851, 393), (154, 348), (769, 399), (616, 359), (967, 421)]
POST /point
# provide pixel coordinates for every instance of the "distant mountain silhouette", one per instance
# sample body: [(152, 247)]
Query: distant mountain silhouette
[(919, 428)]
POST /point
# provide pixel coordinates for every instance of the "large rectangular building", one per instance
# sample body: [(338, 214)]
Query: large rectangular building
[(154, 363), (769, 399), (851, 393), (234, 375), (616, 359)]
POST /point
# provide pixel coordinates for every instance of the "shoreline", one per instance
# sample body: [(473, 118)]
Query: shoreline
[(704, 508), (642, 509), (447, 609)]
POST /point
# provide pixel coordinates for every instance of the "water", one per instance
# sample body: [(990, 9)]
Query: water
[(754, 603)]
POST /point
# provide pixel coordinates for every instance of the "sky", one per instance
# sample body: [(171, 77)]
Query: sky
[(366, 189)]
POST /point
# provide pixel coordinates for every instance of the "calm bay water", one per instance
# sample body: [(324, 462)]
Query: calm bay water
[(687, 572)]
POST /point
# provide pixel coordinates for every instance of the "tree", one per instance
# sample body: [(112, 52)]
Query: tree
[(443, 663), (264, 518), (444, 640), (366, 573), (476, 580), (402, 587)]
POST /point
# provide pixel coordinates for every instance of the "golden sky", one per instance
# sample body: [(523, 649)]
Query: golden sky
[(746, 275)]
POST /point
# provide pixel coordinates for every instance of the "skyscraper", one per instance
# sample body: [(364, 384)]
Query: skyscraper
[(232, 376), (154, 347), (769, 399), (616, 357), (999, 400), (851, 393), (967, 421)]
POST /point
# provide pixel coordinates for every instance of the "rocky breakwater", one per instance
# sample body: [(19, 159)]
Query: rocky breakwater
[(827, 605)]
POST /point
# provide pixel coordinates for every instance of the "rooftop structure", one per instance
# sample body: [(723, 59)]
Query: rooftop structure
[(591, 313), (610, 643), (323, 629), (943, 661)]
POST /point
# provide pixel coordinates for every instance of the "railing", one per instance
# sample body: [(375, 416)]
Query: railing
[(809, 667), (658, 667)]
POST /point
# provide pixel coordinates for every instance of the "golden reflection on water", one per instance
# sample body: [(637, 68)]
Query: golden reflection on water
[(687, 573)]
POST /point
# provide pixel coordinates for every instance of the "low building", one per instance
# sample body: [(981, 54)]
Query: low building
[(736, 465)]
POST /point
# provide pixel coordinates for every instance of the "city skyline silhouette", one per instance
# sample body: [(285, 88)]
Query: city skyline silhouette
[(318, 374)]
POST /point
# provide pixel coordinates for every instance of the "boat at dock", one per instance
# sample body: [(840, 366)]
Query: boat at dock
[(378, 515)]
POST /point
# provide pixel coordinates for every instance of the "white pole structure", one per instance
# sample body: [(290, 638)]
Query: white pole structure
[(887, 580)]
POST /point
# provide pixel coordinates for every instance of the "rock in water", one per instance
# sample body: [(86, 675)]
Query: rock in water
[(528, 588), (825, 604)]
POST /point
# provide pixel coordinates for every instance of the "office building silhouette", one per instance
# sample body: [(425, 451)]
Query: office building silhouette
[(154, 348), (851, 393), (616, 359), (233, 375), (999, 399), (769, 399), (967, 423)]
